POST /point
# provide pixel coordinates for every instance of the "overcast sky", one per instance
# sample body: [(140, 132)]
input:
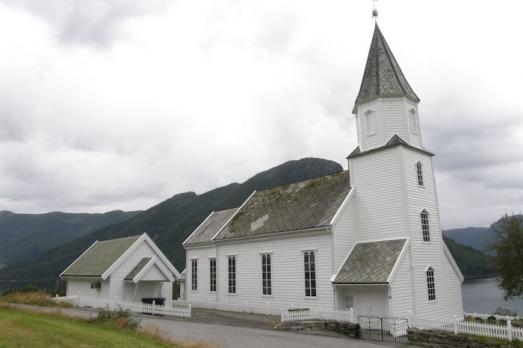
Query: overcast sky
[(114, 104)]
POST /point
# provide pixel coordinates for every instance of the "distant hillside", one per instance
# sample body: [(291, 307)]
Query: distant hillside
[(474, 237), (478, 238), (471, 262), (170, 222), (26, 236)]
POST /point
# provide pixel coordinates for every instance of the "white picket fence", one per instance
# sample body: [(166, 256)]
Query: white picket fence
[(177, 309), (506, 332), (303, 314)]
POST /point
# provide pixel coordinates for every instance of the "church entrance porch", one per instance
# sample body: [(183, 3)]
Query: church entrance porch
[(368, 300)]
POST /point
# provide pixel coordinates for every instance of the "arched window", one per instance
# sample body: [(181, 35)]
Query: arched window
[(413, 121), (370, 120), (425, 226), (419, 171), (431, 286)]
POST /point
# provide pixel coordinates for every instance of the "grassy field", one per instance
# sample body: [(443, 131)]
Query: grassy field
[(24, 329)]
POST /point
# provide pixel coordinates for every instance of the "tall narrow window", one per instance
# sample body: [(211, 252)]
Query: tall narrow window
[(431, 286), (310, 273), (413, 121), (232, 274), (425, 226), (194, 274), (370, 120), (212, 275), (419, 171), (266, 274)]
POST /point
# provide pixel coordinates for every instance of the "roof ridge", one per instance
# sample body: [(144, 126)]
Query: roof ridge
[(302, 181), (119, 238), (224, 210)]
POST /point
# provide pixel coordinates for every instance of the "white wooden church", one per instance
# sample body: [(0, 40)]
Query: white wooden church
[(368, 238)]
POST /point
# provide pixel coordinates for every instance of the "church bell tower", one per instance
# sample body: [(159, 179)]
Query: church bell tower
[(395, 189), (386, 104)]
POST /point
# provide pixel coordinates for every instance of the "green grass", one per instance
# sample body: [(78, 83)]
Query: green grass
[(25, 329)]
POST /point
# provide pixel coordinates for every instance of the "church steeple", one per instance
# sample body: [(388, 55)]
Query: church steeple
[(383, 77)]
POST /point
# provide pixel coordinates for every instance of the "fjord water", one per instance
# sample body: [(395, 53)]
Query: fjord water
[(485, 296)]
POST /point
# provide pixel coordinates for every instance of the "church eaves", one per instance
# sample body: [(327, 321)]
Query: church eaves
[(383, 76)]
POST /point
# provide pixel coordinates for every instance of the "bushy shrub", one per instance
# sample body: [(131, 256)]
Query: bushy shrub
[(491, 319), (118, 318)]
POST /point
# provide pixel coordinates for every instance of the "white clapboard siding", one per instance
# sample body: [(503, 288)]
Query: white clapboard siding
[(392, 118), (203, 293), (83, 287), (379, 193), (424, 254), (288, 284), (118, 284), (402, 301), (344, 232)]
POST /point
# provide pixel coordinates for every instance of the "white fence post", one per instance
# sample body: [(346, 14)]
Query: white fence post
[(509, 330), (455, 324)]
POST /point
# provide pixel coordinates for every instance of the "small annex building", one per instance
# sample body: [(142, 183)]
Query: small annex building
[(367, 239), (124, 269)]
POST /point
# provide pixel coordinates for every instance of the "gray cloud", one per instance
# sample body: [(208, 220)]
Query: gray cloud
[(88, 21), (205, 93)]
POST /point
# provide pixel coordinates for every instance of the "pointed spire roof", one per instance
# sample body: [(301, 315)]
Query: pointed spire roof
[(383, 76)]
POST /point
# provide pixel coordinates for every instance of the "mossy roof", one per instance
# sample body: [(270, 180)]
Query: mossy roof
[(298, 206), (99, 257), (210, 226), (370, 262)]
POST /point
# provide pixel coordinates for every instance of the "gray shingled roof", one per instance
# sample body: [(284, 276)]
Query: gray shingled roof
[(99, 257), (370, 262), (395, 140), (383, 76), (139, 266), (210, 226), (307, 204)]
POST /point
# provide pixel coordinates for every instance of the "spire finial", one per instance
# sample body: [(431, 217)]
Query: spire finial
[(374, 10)]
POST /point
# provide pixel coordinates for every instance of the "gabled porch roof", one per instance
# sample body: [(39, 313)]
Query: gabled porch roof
[(149, 269), (370, 262)]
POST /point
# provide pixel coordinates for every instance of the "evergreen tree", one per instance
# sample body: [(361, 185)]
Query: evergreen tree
[(508, 251)]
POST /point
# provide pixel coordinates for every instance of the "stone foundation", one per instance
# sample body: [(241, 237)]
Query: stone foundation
[(345, 328), (437, 339)]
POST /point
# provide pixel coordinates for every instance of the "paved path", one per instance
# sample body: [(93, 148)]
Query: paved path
[(244, 337), (223, 336)]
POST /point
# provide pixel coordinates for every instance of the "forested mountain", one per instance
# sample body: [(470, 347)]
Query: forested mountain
[(170, 222), (474, 237), (472, 263), (478, 238), (26, 236)]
